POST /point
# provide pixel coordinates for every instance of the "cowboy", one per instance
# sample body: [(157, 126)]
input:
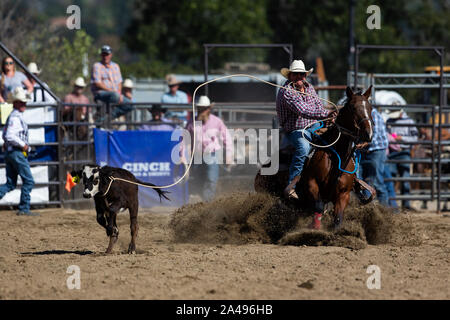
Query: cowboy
[(398, 151), (39, 94), (159, 122), (298, 106), (17, 147), (76, 97), (174, 95), (211, 135)]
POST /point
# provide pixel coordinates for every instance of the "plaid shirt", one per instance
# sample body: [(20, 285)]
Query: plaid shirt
[(380, 137), (295, 110), (109, 75)]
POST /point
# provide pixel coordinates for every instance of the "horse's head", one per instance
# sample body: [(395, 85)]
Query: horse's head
[(356, 115)]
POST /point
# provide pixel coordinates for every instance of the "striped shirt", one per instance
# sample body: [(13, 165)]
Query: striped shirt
[(380, 137), (296, 110), (108, 74), (15, 132)]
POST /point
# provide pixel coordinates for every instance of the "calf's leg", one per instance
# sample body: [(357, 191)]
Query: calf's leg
[(111, 230), (134, 227)]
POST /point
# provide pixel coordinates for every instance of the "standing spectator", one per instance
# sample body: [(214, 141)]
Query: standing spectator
[(81, 112), (400, 151), (16, 147), (373, 158), (11, 79), (210, 135), (158, 123), (106, 82), (39, 94), (174, 95)]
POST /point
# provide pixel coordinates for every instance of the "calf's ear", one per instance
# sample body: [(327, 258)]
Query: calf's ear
[(76, 174)]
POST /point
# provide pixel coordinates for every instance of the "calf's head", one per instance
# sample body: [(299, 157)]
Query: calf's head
[(90, 176)]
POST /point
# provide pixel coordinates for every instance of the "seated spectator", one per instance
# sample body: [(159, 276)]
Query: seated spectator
[(11, 79), (79, 113), (158, 123), (39, 94), (399, 151), (174, 95), (106, 83)]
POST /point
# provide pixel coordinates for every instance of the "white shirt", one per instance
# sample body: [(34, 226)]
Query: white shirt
[(15, 132)]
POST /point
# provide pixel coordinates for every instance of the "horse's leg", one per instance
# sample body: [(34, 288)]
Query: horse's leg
[(317, 204), (339, 207)]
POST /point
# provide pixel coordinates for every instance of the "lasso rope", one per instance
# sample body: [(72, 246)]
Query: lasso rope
[(193, 115)]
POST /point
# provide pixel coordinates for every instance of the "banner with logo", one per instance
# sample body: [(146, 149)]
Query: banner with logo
[(146, 154)]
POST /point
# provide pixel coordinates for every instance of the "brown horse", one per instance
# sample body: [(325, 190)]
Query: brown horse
[(322, 180)]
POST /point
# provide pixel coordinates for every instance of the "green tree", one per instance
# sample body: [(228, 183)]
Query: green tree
[(169, 35)]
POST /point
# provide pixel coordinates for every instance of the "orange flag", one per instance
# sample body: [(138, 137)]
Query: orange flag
[(69, 182)]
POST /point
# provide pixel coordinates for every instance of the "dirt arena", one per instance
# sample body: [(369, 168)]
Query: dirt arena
[(238, 247)]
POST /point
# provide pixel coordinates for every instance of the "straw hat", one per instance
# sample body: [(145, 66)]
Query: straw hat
[(172, 80), (19, 94), (394, 114), (79, 82), (128, 84), (296, 66), (33, 68), (204, 102)]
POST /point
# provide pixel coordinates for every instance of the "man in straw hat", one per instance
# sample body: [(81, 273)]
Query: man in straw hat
[(298, 105), (76, 97), (16, 147), (211, 135), (174, 95)]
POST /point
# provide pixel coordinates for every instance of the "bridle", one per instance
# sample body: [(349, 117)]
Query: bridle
[(350, 133)]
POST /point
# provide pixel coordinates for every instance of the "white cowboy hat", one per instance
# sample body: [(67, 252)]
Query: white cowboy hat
[(128, 84), (33, 68), (18, 94), (79, 82), (296, 66), (394, 114), (204, 102), (172, 80)]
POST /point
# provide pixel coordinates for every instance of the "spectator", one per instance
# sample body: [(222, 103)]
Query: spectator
[(16, 147), (158, 123), (373, 158), (211, 135), (399, 151), (81, 112), (11, 79), (175, 96), (39, 94), (106, 83)]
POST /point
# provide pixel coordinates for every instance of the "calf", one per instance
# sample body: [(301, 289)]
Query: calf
[(112, 197)]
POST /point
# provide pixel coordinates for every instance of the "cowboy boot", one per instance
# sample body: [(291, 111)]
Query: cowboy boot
[(289, 192), (364, 191)]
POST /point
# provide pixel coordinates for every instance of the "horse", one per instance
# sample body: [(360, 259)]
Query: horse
[(322, 179)]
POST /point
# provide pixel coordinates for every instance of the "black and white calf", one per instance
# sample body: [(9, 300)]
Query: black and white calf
[(111, 198)]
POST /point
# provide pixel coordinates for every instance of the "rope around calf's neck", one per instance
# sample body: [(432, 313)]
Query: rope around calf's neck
[(193, 114)]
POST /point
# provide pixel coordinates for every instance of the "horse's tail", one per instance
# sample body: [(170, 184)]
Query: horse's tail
[(158, 190)]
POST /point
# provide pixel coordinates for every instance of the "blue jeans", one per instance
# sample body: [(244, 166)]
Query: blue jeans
[(17, 164), (389, 186), (109, 97), (401, 170), (372, 169), (302, 148), (207, 175)]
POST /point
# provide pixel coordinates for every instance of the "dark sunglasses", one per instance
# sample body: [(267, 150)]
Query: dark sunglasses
[(9, 62), (300, 73)]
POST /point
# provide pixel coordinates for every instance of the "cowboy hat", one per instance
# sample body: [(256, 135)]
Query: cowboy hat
[(172, 80), (296, 66), (158, 108), (394, 114), (204, 102), (128, 84), (79, 82), (32, 67), (19, 94)]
